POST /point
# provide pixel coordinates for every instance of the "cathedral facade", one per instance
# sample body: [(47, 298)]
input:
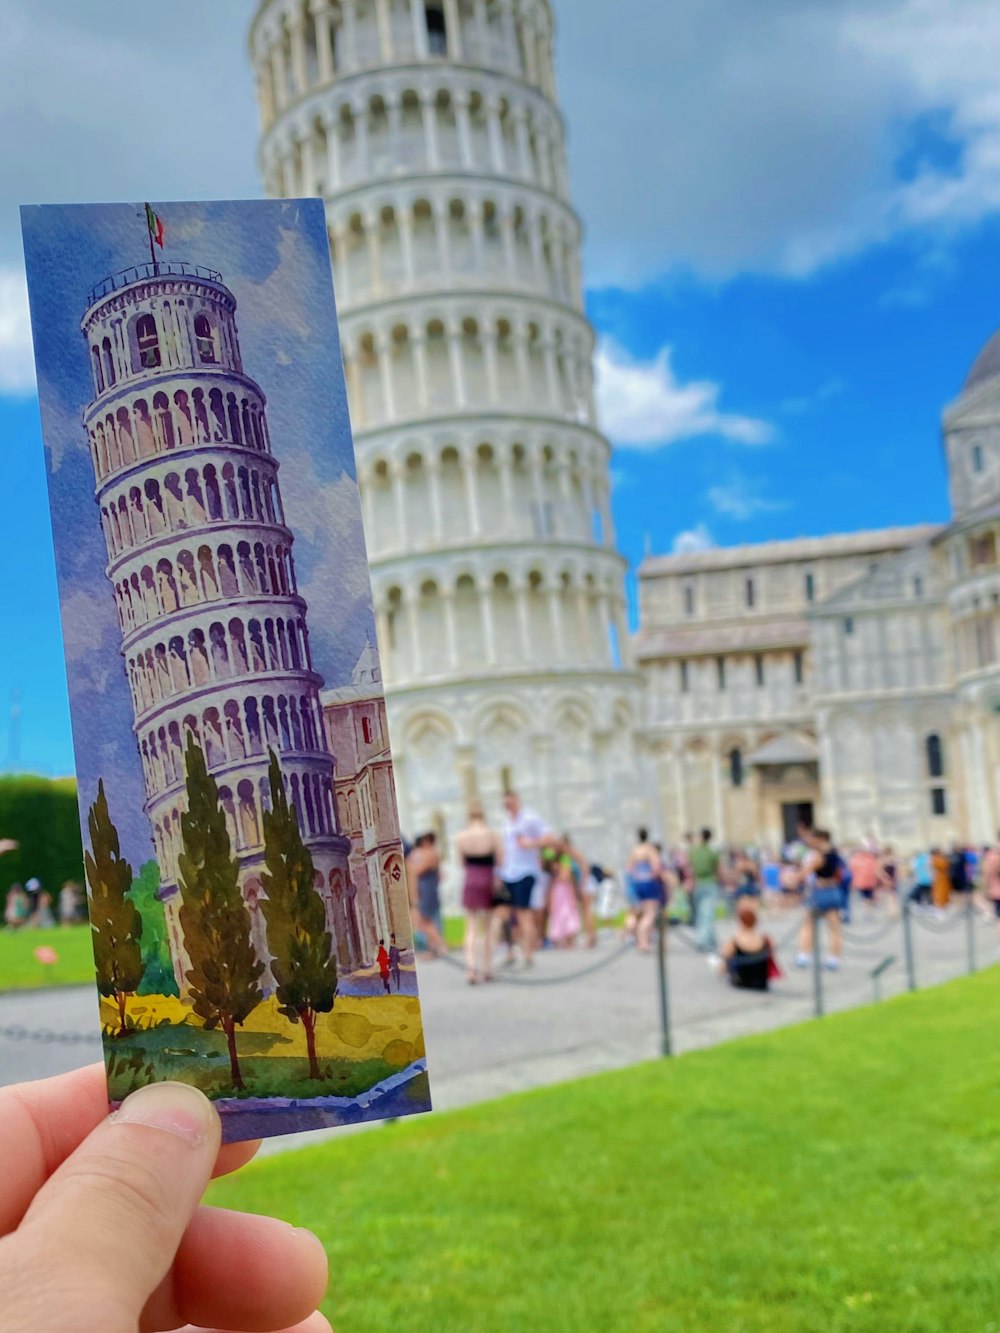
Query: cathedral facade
[(850, 680)]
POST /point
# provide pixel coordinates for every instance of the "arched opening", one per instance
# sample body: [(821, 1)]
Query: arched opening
[(204, 337), (935, 756), (437, 30), (147, 343)]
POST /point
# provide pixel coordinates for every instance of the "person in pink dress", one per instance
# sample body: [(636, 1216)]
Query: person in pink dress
[(564, 909)]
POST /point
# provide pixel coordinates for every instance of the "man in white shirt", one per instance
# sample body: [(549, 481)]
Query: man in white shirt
[(524, 834)]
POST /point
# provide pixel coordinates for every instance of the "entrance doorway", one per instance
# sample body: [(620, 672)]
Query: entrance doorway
[(794, 813)]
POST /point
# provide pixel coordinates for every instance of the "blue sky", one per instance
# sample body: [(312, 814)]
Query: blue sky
[(793, 216), (274, 258)]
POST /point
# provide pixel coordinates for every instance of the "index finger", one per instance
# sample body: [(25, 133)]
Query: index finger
[(42, 1123)]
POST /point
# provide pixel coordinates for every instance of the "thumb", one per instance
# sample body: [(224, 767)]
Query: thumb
[(115, 1211)]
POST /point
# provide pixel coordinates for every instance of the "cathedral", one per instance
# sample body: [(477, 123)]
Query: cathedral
[(850, 680)]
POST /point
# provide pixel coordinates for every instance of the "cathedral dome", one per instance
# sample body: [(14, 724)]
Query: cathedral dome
[(986, 365)]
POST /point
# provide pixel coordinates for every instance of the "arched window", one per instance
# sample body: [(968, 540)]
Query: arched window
[(109, 362), (736, 767), (147, 342), (366, 729), (977, 458), (935, 756), (437, 31), (204, 340), (98, 372)]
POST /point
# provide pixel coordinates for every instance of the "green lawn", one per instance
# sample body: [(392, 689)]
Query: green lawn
[(20, 970), (841, 1175)]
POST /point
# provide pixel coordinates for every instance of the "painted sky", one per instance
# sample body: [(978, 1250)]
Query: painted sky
[(793, 249), (274, 258)]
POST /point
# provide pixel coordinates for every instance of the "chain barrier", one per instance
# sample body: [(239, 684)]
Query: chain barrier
[(46, 1036), (500, 978), (872, 936), (936, 927)]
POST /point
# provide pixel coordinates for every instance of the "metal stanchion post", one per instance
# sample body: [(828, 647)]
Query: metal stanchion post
[(817, 964), (911, 969), (970, 933), (661, 961)]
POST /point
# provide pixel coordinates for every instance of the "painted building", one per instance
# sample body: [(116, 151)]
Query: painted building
[(433, 133), (214, 635), (365, 793)]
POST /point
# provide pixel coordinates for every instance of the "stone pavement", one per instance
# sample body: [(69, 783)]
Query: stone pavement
[(485, 1041)]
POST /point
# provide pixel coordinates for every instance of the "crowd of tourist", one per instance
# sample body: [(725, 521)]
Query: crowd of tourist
[(31, 905), (525, 887)]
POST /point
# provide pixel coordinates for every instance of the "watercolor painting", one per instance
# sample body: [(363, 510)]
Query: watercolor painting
[(244, 869)]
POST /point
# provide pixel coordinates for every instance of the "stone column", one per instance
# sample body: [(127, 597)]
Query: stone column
[(418, 15), (466, 156), (397, 471), (308, 164), (442, 226), (393, 112), (489, 337), (583, 618), (489, 624), (470, 463), (366, 485), (332, 127), (349, 9), (475, 211), (341, 269), (384, 21), (279, 75), (428, 112), (498, 154), (551, 369), (372, 229), (523, 356), (405, 221), (454, 27), (520, 115), (455, 337), (324, 49), (523, 618), (509, 36), (528, 39), (556, 621), (418, 341), (537, 250), (361, 151), (509, 244), (413, 615), (297, 35), (505, 462), (434, 485), (265, 95), (450, 628), (383, 347)]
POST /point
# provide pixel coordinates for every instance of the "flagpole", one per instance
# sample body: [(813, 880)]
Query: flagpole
[(149, 234)]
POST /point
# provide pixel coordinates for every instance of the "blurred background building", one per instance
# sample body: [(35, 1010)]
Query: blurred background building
[(433, 134), (852, 680)]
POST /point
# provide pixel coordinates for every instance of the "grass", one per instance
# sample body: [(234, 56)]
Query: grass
[(841, 1175), (20, 969)]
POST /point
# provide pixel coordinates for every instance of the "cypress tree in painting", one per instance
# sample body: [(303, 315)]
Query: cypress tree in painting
[(114, 921), (224, 978), (302, 947)]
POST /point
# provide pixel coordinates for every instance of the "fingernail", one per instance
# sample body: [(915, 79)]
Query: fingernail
[(175, 1107)]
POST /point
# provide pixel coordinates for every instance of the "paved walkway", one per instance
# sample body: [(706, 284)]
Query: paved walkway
[(485, 1041)]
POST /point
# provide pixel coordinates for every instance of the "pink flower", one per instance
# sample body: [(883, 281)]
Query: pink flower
[(46, 956)]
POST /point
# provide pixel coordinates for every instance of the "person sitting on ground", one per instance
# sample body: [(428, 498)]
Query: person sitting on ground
[(645, 872), (747, 957)]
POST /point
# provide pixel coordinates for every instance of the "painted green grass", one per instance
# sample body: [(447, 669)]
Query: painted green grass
[(841, 1175), (20, 970)]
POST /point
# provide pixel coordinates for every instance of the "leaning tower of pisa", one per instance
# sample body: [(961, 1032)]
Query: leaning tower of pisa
[(214, 635), (432, 131)]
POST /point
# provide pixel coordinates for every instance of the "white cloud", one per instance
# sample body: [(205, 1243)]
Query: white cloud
[(693, 539), (767, 137), (643, 406), (17, 365), (740, 498)]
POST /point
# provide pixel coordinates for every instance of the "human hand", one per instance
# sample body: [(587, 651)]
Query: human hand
[(7, 845), (101, 1228)]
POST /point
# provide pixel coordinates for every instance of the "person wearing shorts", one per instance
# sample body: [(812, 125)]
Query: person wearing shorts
[(524, 834), (822, 873)]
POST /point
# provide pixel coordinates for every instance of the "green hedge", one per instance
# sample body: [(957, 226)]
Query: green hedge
[(42, 815)]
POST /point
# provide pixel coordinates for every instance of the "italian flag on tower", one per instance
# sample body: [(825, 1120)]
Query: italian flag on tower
[(155, 224)]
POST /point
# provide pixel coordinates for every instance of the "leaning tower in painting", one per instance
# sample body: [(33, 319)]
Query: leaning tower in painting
[(214, 636), (432, 131)]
